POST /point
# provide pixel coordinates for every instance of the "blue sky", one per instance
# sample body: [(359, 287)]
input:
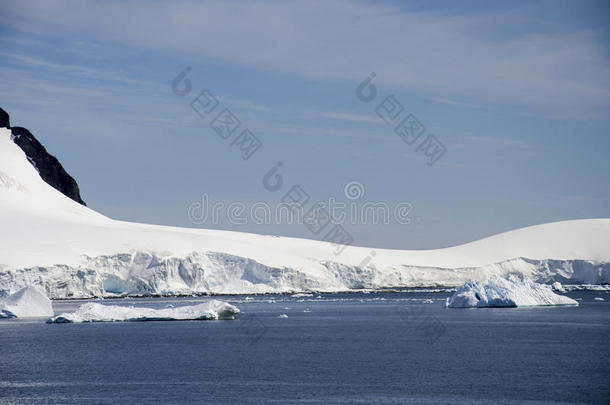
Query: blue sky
[(517, 92)]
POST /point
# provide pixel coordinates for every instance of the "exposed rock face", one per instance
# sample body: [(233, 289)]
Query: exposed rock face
[(49, 168), (4, 119)]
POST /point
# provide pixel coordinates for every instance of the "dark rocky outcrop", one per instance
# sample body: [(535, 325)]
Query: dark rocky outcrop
[(49, 168), (4, 119)]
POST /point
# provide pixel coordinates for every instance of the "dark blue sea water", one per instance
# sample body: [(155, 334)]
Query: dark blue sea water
[(389, 348)]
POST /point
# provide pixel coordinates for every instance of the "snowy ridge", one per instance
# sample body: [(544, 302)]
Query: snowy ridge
[(69, 250)]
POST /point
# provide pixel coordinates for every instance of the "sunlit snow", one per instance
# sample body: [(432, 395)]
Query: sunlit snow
[(25, 303), (94, 312), (506, 292), (70, 251)]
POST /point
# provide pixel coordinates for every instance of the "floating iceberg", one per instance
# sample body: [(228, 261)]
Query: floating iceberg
[(502, 292), (25, 303), (558, 287), (301, 295), (93, 312)]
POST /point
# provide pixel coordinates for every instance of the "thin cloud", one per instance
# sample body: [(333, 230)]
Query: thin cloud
[(546, 70), (444, 100), (345, 116), (503, 142), (245, 104), (318, 131), (76, 70)]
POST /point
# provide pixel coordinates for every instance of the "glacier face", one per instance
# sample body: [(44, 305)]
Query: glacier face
[(146, 273)]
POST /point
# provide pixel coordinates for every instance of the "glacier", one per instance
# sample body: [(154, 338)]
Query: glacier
[(149, 274), (67, 250), (94, 312), (28, 302), (506, 292)]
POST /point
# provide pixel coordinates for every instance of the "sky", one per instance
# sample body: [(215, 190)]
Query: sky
[(516, 96)]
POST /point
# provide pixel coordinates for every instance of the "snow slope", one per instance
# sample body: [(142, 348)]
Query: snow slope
[(70, 250), (26, 303), (502, 292)]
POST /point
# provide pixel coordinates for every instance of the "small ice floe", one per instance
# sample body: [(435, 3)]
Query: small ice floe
[(558, 287), (93, 312), (26, 303), (301, 295), (587, 287), (248, 298), (307, 310), (598, 299), (283, 316), (428, 301), (502, 292)]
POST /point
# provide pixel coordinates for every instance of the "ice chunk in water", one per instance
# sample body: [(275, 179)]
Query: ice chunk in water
[(25, 303), (502, 292), (94, 312)]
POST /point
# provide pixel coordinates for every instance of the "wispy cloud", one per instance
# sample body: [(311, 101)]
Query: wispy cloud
[(457, 103), (75, 71), (503, 142), (326, 132), (345, 116), (245, 104), (551, 69)]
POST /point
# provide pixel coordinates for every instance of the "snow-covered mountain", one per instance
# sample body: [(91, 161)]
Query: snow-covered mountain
[(47, 165), (50, 241)]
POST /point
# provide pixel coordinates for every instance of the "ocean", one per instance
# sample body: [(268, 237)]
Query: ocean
[(378, 348)]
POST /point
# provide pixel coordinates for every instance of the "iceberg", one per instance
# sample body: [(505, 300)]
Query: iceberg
[(26, 303), (506, 292), (94, 312)]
